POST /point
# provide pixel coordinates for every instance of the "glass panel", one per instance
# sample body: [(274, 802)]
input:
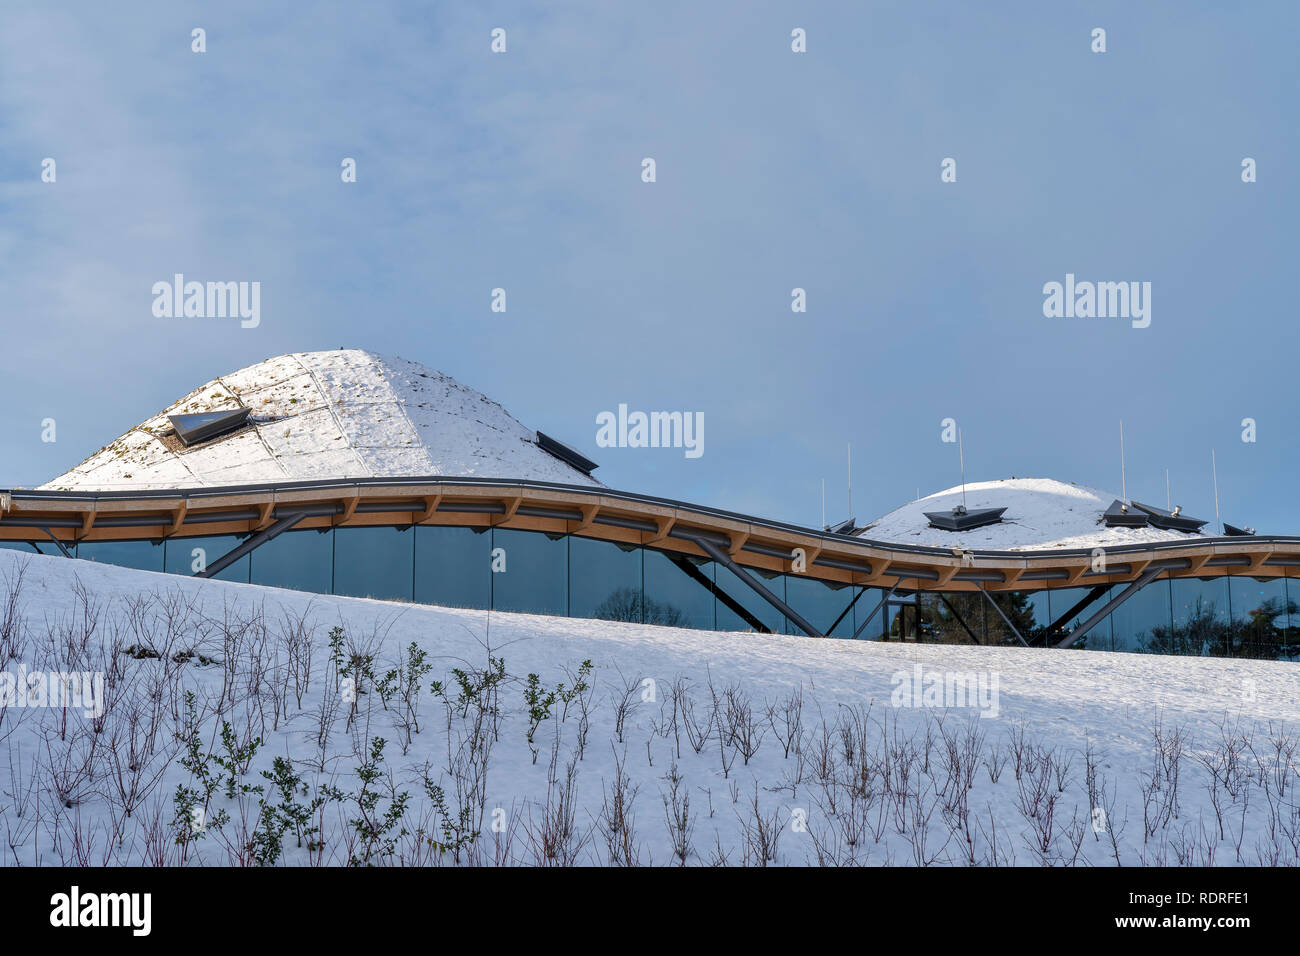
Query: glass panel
[(1019, 609), (862, 610), (44, 547), (453, 566), (1291, 645), (1200, 611), (747, 597), (605, 580), (1040, 606), (820, 603), (141, 555), (374, 562), (1259, 617), (902, 616), (1142, 623), (536, 575), (1061, 600), (671, 595), (942, 626), (301, 560), (181, 557)]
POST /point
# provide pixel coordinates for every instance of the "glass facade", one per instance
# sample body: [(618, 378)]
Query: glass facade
[(453, 566), (375, 563), (301, 560), (190, 555), (532, 572)]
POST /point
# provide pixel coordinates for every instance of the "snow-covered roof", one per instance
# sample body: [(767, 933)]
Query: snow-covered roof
[(317, 415), (1041, 513)]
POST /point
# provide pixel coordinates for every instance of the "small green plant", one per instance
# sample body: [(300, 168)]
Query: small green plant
[(458, 831), (236, 760), (475, 687), (377, 832), (288, 814)]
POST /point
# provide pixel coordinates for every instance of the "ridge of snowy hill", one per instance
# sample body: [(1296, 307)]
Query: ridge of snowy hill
[(677, 745), (341, 414), (1041, 513)]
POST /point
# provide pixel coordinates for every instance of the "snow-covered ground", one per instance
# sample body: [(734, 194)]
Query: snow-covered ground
[(771, 749), (341, 414), (1041, 513)]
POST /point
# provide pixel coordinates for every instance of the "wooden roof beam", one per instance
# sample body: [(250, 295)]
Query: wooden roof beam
[(738, 540), (430, 508), (663, 526), (512, 505), (349, 509), (589, 513), (178, 517)]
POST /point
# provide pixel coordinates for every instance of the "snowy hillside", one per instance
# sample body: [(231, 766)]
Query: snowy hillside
[(676, 745), (1041, 513), (341, 414)]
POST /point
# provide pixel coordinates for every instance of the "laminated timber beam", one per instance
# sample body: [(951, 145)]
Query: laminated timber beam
[(605, 514)]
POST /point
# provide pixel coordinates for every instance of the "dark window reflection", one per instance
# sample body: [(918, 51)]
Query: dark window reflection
[(674, 596), (605, 580), (1261, 615)]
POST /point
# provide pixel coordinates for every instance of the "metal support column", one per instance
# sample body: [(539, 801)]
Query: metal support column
[(953, 610), (883, 601), (252, 544), (1006, 620), (717, 554), (1143, 580)]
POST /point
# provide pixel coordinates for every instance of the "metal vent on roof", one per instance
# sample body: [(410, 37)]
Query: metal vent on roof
[(1169, 520), (959, 519), (1233, 531), (844, 527), (1119, 515), (566, 454), (200, 426)]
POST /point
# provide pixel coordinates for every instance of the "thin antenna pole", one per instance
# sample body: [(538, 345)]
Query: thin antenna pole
[(850, 479), (961, 457), (1123, 478), (1214, 468), (1169, 501), (823, 504)]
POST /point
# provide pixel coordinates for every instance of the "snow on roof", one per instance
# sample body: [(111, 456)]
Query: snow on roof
[(317, 415), (1041, 513)]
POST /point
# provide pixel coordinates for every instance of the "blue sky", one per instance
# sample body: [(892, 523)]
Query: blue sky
[(775, 170)]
